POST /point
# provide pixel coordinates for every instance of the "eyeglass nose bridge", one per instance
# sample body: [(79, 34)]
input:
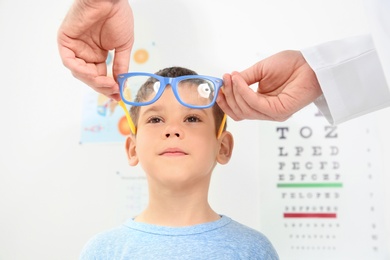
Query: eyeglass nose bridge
[(164, 82)]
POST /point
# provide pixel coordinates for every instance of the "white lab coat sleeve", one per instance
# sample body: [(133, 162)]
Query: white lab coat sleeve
[(351, 78), (354, 73)]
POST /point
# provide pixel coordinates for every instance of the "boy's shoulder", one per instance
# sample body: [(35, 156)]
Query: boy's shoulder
[(97, 245), (237, 228), (241, 235)]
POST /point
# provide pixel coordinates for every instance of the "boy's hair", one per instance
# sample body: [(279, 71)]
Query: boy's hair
[(172, 72)]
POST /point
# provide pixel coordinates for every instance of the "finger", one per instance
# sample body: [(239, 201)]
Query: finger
[(94, 75), (252, 74), (121, 62), (102, 84), (106, 84), (252, 105), (229, 94), (88, 74), (239, 83), (78, 67), (221, 101), (228, 106)]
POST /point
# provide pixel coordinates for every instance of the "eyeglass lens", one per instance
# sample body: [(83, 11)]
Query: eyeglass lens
[(191, 91)]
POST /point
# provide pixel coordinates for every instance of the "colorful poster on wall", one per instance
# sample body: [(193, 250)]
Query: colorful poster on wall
[(103, 119)]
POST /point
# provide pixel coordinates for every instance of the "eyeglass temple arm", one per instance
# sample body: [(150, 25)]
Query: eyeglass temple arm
[(221, 127), (129, 120)]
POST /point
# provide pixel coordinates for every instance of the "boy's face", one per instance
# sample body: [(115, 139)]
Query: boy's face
[(177, 143)]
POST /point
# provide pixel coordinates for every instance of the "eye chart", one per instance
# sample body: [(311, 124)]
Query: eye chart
[(321, 190)]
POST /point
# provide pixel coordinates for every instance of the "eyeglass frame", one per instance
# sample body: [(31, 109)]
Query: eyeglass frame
[(172, 81)]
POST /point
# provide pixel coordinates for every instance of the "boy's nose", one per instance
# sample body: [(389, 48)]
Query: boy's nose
[(173, 130), (167, 135)]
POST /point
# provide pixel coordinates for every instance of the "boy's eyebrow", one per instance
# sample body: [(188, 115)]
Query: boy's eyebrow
[(151, 109)]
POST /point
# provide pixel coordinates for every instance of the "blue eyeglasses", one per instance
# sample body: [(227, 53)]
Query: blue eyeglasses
[(193, 91)]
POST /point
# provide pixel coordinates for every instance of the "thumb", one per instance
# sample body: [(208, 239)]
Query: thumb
[(121, 62), (243, 90), (252, 74)]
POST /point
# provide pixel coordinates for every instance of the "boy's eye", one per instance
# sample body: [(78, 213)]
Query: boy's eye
[(154, 120), (192, 119)]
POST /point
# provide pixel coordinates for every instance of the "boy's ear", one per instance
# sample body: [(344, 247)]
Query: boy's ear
[(225, 147), (131, 150)]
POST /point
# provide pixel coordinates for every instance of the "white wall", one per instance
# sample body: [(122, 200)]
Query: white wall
[(55, 193)]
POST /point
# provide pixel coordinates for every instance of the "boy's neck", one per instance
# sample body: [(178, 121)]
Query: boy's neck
[(177, 209)]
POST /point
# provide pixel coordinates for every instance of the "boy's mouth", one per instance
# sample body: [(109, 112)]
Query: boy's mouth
[(173, 152)]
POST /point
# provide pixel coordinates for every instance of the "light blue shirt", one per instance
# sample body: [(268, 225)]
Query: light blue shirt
[(222, 239)]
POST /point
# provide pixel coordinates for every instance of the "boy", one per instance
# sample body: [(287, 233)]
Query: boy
[(178, 145)]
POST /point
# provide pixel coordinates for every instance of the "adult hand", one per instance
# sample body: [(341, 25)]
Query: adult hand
[(285, 84), (90, 29)]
